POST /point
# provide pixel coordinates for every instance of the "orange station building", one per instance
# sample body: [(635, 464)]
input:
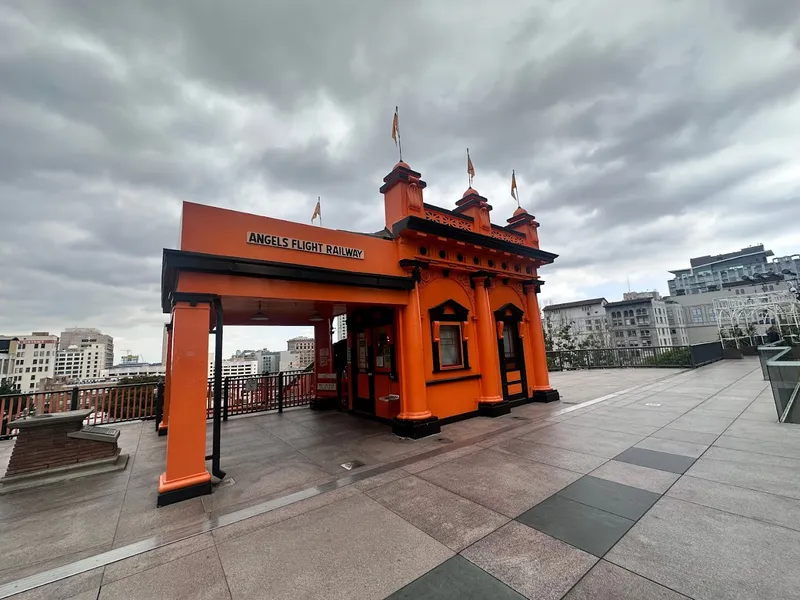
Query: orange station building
[(442, 314)]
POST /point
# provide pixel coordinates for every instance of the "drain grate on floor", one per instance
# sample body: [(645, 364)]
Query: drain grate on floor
[(521, 418), (227, 481), (443, 440), (352, 464), (652, 404)]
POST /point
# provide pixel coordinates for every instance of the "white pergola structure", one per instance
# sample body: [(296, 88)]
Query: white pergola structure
[(743, 319)]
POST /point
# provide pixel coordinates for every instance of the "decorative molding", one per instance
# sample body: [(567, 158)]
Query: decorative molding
[(508, 236), (450, 220)]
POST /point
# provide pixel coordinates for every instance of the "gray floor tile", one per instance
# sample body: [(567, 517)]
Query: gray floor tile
[(693, 437), (456, 579), (351, 549), (534, 564), (585, 527), (79, 587), (747, 503), (702, 423), (445, 516), (663, 461), (159, 556), (597, 442), (779, 480), (763, 446), (705, 553), (433, 461), (550, 455), (197, 576), (672, 446), (610, 496), (609, 582), (502, 482), (612, 424), (651, 480)]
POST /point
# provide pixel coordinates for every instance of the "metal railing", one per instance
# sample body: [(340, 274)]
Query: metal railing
[(136, 401), (687, 357), (257, 393), (111, 404)]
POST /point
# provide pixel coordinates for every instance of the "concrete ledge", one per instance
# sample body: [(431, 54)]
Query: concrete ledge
[(27, 481), (50, 419)]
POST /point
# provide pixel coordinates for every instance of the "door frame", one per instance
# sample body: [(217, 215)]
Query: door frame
[(365, 321), (512, 316)]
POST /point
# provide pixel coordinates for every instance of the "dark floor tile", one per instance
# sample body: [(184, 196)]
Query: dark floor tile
[(663, 461), (456, 578), (610, 496), (585, 527)]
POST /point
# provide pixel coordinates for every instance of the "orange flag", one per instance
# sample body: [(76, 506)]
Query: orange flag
[(470, 168)]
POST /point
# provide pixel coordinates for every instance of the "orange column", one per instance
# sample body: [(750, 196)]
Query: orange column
[(325, 375), (413, 400), (542, 390), (186, 475), (164, 425), (489, 355)]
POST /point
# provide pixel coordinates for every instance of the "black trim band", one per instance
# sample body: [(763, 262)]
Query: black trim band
[(453, 379), (413, 223), (192, 298), (175, 261)]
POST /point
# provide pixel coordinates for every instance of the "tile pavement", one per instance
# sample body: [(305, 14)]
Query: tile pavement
[(694, 498)]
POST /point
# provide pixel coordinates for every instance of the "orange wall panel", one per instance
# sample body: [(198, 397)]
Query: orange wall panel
[(223, 232), (448, 399)]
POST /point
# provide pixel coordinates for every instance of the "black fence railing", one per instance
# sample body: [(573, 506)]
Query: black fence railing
[(685, 357), (257, 393)]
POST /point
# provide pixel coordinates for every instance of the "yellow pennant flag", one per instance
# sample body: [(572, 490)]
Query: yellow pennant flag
[(317, 212), (514, 190)]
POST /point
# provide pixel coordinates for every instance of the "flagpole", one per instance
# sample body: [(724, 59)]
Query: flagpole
[(319, 201)]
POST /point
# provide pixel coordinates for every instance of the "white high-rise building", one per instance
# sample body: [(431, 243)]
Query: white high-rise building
[(341, 328), (83, 337), (233, 367), (34, 360), (81, 362)]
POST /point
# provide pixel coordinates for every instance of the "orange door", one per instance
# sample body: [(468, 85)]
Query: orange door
[(363, 372)]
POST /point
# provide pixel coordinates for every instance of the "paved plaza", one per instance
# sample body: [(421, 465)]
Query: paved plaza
[(641, 484)]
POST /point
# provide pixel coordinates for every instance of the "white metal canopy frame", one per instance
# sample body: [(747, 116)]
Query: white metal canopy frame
[(745, 320)]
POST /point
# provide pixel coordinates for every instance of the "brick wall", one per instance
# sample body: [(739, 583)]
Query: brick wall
[(48, 446)]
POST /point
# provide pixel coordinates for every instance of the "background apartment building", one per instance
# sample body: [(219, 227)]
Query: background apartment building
[(76, 363), (304, 348), (586, 320), (34, 359), (242, 366), (712, 273), (640, 320)]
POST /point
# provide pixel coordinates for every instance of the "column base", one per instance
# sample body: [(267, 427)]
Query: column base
[(416, 429), (545, 395), (493, 409), (325, 403), (162, 431), (184, 493)]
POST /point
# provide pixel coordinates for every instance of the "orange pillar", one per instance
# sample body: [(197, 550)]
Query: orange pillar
[(489, 403), (542, 390), (325, 374), (186, 475), (415, 420), (164, 425)]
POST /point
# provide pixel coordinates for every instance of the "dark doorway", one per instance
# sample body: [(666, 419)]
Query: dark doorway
[(512, 357)]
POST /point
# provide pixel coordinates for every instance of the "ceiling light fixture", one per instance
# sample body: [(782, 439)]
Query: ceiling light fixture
[(315, 318), (259, 316)]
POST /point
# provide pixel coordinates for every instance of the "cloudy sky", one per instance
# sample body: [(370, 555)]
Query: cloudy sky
[(642, 132)]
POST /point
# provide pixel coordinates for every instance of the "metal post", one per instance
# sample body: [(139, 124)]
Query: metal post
[(225, 400), (159, 403), (73, 404), (216, 471), (280, 392)]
